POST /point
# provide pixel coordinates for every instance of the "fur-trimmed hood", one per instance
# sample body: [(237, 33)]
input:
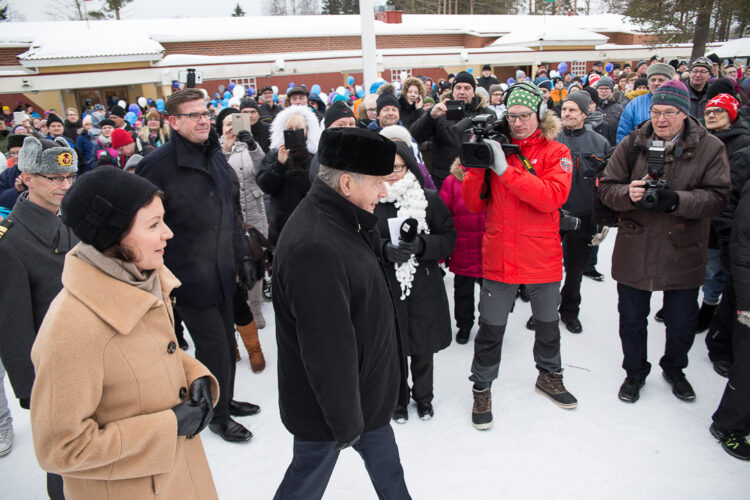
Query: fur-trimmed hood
[(458, 170), (313, 127), (386, 87), (550, 126), (415, 82)]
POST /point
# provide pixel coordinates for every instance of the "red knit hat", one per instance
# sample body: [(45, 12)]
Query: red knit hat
[(725, 101), (120, 138)]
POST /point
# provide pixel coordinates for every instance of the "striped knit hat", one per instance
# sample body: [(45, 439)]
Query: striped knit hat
[(672, 93), (727, 102)]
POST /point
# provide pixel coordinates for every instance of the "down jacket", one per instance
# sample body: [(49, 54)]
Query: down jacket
[(521, 243), (666, 251), (108, 374), (466, 259), (637, 111), (244, 163)]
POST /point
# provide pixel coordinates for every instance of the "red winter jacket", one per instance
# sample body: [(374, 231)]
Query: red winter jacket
[(466, 259), (522, 240)]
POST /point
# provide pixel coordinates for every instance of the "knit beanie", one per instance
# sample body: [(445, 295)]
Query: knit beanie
[(495, 87), (120, 137), (428, 100), (520, 74), (396, 133), (465, 77), (519, 95), (356, 150), (52, 118), (640, 63), (100, 206), (43, 156), (672, 93), (640, 82), (605, 81), (582, 100), (105, 122), (545, 84), (248, 102), (574, 84), (702, 62), (660, 69), (117, 111), (593, 78), (720, 86), (387, 99), (593, 94), (336, 111), (724, 101)]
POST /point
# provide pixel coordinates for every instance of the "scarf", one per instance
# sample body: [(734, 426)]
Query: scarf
[(105, 141), (127, 272), (408, 197)]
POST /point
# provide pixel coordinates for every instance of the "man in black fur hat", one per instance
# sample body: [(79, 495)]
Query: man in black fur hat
[(338, 351)]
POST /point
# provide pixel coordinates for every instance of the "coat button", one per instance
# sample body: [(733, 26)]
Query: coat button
[(183, 392), (171, 347)]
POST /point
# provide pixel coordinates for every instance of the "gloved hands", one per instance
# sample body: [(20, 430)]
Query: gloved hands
[(744, 318), (247, 137), (190, 416), (601, 233), (200, 393), (666, 203), (395, 254), (500, 163), (346, 444), (248, 273), (414, 247)]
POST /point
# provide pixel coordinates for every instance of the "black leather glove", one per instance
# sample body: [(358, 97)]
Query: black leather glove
[(666, 203), (248, 273), (200, 393), (190, 416), (25, 403), (395, 254), (247, 137), (346, 444), (414, 247)]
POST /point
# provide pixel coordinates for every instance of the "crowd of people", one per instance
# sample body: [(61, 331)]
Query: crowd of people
[(128, 226)]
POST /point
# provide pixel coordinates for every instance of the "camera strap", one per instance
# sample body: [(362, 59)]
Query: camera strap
[(526, 163)]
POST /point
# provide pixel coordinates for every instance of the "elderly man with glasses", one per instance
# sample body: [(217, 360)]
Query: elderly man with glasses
[(33, 244), (667, 179), (697, 84)]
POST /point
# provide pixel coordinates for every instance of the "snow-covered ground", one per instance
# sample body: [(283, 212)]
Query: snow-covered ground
[(658, 448)]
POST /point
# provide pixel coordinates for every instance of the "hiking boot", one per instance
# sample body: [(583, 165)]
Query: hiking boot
[(462, 336), (594, 275), (400, 414), (530, 325), (6, 441), (680, 386), (630, 389), (481, 413), (722, 367), (734, 444), (659, 315), (572, 324), (705, 315), (551, 385), (425, 411)]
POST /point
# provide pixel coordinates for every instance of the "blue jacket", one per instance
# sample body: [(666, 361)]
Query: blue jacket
[(8, 193), (85, 144), (638, 110)]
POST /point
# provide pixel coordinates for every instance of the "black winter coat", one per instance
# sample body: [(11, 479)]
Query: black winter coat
[(611, 109), (200, 211), (338, 362), (408, 113), (739, 170), (739, 250), (424, 315), (589, 152), (287, 185), (262, 135)]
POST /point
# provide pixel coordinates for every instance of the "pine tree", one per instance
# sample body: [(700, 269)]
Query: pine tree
[(238, 12), (331, 7), (349, 7)]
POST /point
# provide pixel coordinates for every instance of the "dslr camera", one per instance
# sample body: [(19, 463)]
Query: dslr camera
[(475, 153), (656, 157)]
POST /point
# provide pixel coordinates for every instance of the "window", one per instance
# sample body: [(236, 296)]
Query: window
[(396, 74), (578, 68), (245, 81)]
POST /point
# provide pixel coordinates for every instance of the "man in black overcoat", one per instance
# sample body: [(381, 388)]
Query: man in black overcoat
[(335, 326)]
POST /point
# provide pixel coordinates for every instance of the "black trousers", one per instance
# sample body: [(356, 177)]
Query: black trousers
[(212, 330), (313, 462), (733, 414), (680, 315), (242, 313), (719, 336), (55, 487), (576, 256), (421, 380), (463, 299)]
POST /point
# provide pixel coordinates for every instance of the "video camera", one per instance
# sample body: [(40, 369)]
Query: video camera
[(657, 154), (475, 153)]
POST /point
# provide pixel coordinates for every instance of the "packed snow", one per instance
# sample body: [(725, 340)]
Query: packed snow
[(657, 448)]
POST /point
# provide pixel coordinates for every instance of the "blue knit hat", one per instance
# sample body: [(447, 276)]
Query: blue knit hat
[(672, 93)]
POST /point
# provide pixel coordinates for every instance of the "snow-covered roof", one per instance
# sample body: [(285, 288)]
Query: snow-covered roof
[(80, 45), (739, 47), (551, 36)]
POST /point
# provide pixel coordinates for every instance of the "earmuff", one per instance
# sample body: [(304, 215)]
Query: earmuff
[(541, 111)]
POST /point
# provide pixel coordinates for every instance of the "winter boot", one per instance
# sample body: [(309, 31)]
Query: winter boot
[(551, 385), (705, 315), (462, 336), (254, 296), (733, 443), (425, 411), (400, 414), (481, 413), (249, 334)]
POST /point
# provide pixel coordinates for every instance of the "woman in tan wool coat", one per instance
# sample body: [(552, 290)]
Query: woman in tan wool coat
[(116, 403)]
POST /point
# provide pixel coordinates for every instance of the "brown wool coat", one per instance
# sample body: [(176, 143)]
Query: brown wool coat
[(656, 251), (107, 376)]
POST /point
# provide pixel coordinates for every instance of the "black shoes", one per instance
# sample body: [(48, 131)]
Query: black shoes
[(630, 389), (530, 325), (734, 444), (481, 412), (425, 411), (572, 324), (705, 316), (462, 336), (680, 386), (231, 431), (722, 367), (400, 415), (658, 316), (594, 275), (523, 293), (240, 409)]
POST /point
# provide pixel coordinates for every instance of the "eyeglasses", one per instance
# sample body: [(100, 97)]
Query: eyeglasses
[(524, 117), (57, 180), (669, 115), (398, 167), (699, 71), (372, 110), (715, 112), (196, 116)]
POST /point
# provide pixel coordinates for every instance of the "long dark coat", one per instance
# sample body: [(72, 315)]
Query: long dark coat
[(338, 359), (423, 316)]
